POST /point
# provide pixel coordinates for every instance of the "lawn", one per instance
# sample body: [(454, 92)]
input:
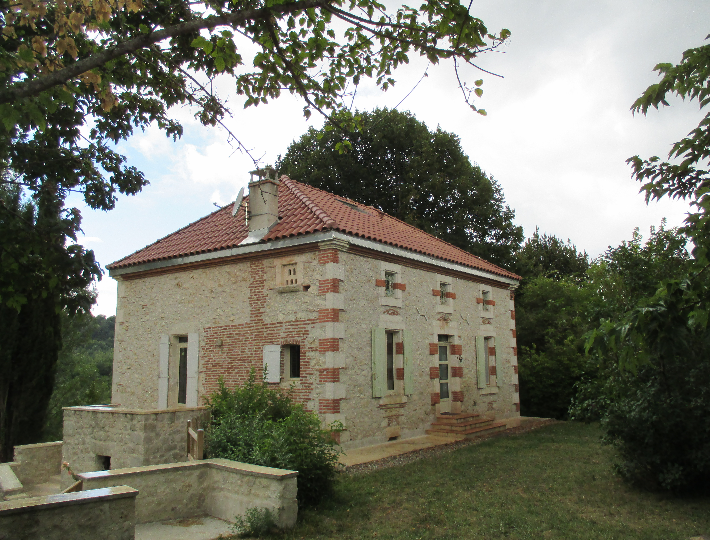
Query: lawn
[(553, 483)]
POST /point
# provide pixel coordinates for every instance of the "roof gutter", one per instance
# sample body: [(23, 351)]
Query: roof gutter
[(313, 238)]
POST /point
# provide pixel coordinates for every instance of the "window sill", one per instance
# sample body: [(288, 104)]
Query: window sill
[(445, 308), (289, 289), (488, 390), (390, 301)]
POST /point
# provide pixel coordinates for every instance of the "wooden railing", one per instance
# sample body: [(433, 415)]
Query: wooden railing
[(195, 441)]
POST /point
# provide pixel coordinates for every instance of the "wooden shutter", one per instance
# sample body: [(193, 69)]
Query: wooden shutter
[(481, 361), (379, 362), (408, 362), (272, 363), (163, 371), (193, 346)]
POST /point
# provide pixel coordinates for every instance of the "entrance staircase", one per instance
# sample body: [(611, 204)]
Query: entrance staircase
[(463, 425)]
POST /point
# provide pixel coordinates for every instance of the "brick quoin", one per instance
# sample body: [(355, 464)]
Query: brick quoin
[(435, 292), (380, 283), (512, 295), (517, 407), (479, 300), (329, 406), (457, 395), (399, 348), (456, 371), (491, 351), (329, 375), (516, 388), (328, 315), (400, 374), (435, 398), (515, 351), (492, 370), (490, 302), (512, 314), (433, 372), (328, 285), (328, 256), (515, 369), (328, 345), (512, 331), (457, 350), (433, 348), (451, 295), (400, 286)]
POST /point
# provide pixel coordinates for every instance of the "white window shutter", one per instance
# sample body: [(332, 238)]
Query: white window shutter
[(481, 361), (163, 371), (193, 346), (272, 363), (408, 363), (379, 362)]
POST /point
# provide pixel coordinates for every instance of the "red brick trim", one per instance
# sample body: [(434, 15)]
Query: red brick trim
[(516, 388), (515, 351), (328, 285), (380, 283), (433, 348), (492, 370), (328, 315), (457, 395), (436, 292), (451, 295), (399, 348), (512, 331), (435, 398), (433, 372), (515, 369), (400, 374), (512, 295), (328, 255), (400, 286), (336, 436), (479, 300), (457, 371), (329, 406), (512, 314), (517, 407), (329, 375), (456, 350), (491, 351), (328, 345), (490, 302)]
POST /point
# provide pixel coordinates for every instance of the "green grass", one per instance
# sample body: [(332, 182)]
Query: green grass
[(553, 483)]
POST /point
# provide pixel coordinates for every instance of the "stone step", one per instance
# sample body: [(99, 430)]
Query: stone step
[(8, 481), (455, 418), (468, 433), (461, 426)]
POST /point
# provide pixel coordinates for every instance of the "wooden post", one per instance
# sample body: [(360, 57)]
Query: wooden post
[(200, 444)]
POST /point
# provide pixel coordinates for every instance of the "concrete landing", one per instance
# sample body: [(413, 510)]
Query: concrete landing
[(201, 528)]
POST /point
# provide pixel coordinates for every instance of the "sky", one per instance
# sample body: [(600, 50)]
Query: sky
[(556, 138)]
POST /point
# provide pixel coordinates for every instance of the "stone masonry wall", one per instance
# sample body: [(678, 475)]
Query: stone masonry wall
[(36, 463)]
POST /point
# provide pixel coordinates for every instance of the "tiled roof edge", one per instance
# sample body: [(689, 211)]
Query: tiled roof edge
[(313, 207)]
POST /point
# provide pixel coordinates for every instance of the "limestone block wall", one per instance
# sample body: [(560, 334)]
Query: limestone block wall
[(102, 513), (36, 463), (217, 487), (130, 438)]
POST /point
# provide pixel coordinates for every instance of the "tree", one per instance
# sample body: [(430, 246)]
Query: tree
[(549, 256), (399, 166), (76, 77)]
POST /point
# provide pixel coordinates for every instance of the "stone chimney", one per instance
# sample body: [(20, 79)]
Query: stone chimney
[(263, 200)]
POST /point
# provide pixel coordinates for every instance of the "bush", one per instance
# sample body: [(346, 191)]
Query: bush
[(256, 523), (263, 426)]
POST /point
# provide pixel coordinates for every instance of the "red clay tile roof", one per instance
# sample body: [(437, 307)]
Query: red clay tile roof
[(304, 210)]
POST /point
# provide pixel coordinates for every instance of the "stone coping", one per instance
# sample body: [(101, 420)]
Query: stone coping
[(38, 445), (217, 463), (115, 409), (66, 499)]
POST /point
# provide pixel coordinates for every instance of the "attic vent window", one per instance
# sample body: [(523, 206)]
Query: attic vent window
[(289, 274)]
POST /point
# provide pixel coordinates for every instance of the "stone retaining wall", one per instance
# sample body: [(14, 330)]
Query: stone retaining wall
[(108, 514), (217, 487), (37, 463)]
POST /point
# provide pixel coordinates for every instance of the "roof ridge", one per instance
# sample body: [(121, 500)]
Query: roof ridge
[(305, 199), (167, 235)]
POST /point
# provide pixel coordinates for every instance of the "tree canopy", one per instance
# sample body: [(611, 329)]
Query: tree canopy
[(422, 177)]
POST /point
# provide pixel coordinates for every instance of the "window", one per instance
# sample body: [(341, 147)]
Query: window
[(485, 359), (443, 366), (292, 359), (390, 278), (289, 276), (182, 370), (390, 360), (444, 288), (391, 351), (486, 300)]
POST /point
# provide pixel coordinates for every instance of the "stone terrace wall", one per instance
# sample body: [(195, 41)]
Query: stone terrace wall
[(108, 514), (218, 487), (36, 463), (131, 438)]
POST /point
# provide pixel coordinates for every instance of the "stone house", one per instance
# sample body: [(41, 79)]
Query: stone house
[(366, 319)]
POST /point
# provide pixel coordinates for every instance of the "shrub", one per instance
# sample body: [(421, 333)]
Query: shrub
[(263, 426), (256, 523)]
